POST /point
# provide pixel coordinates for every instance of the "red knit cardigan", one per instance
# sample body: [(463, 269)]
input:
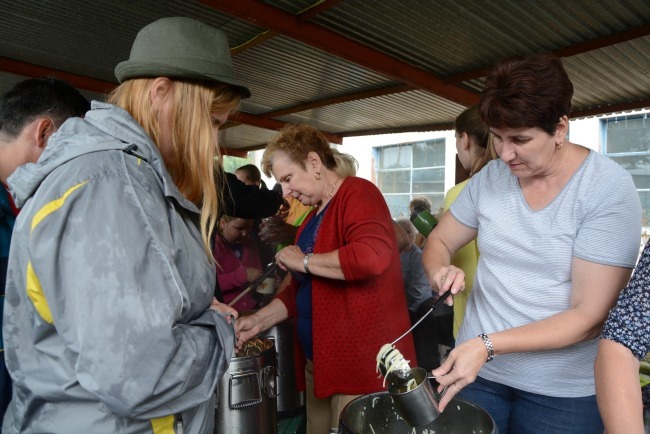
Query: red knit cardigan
[(353, 318)]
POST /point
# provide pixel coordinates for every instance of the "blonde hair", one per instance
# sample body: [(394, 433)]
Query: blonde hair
[(194, 142), (346, 164)]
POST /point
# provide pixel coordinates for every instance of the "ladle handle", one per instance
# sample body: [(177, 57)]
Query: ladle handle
[(433, 307), (255, 283)]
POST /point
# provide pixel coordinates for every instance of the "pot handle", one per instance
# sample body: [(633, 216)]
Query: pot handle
[(269, 381), (244, 390)]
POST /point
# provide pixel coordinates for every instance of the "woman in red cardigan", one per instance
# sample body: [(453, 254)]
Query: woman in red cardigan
[(346, 292)]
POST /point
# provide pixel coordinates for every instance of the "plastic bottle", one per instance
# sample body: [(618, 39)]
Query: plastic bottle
[(423, 220)]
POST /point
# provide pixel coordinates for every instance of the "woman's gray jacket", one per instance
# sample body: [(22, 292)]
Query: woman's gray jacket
[(106, 326)]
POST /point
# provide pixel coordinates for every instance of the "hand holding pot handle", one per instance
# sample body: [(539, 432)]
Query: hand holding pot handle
[(460, 369)]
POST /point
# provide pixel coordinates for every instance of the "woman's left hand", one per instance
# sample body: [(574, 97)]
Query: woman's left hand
[(290, 258), (223, 309), (460, 369)]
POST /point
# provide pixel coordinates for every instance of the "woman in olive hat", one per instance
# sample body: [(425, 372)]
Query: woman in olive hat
[(110, 323)]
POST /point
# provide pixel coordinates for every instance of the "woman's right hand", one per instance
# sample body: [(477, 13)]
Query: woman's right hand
[(445, 278), (245, 328)]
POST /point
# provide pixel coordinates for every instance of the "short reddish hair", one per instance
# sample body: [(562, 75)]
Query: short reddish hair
[(527, 92)]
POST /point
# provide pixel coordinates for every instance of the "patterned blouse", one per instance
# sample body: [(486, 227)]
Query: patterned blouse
[(629, 322)]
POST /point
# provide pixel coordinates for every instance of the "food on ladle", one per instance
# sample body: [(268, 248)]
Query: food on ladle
[(392, 365)]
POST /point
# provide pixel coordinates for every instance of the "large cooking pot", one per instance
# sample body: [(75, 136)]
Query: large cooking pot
[(290, 400), (375, 414), (246, 396)]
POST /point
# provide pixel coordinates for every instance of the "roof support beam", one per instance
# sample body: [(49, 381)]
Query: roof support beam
[(29, 70), (611, 108), (305, 15), (269, 17), (397, 130), (338, 100), (270, 124)]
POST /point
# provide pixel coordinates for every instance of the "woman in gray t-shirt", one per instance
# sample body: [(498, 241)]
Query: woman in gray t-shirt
[(558, 227)]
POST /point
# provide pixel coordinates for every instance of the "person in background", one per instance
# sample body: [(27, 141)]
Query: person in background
[(8, 214), (30, 112), (345, 276), (249, 174), (624, 341), (416, 285), (245, 202), (111, 282), (474, 152), (558, 228), (435, 329), (238, 261), (424, 203)]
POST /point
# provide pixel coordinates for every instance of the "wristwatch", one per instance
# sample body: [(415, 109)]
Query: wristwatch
[(488, 345)]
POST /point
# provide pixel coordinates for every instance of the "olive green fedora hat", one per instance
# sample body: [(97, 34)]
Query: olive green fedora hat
[(180, 47)]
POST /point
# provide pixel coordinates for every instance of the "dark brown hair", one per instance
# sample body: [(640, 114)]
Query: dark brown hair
[(527, 92)]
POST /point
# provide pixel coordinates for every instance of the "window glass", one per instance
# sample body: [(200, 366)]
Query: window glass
[(627, 141), (428, 180), (398, 204), (412, 169), (430, 153), (394, 181), (395, 157), (627, 134)]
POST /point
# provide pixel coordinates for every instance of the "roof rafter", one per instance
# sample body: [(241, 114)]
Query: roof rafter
[(270, 124), (338, 99), (305, 15), (30, 70), (269, 17)]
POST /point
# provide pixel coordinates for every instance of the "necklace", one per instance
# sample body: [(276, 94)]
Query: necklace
[(333, 189)]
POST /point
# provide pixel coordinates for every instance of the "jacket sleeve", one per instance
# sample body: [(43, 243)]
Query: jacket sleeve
[(141, 337), (369, 237), (231, 279)]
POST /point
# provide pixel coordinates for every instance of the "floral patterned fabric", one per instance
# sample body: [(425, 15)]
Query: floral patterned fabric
[(629, 322)]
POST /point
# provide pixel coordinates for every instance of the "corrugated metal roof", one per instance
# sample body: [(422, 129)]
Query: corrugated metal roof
[(408, 109), (299, 74), (375, 66)]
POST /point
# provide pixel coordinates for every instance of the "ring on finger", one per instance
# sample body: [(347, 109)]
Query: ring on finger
[(456, 386)]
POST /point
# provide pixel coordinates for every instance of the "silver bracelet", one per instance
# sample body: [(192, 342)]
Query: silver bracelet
[(305, 262), (488, 345)]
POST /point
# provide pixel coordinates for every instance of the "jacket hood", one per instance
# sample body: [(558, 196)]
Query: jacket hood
[(105, 127)]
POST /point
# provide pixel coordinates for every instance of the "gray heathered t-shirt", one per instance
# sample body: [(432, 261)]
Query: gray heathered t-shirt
[(524, 271)]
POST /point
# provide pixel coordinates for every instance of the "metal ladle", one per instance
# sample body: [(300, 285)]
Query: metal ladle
[(400, 376), (416, 405), (270, 269), (436, 303)]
